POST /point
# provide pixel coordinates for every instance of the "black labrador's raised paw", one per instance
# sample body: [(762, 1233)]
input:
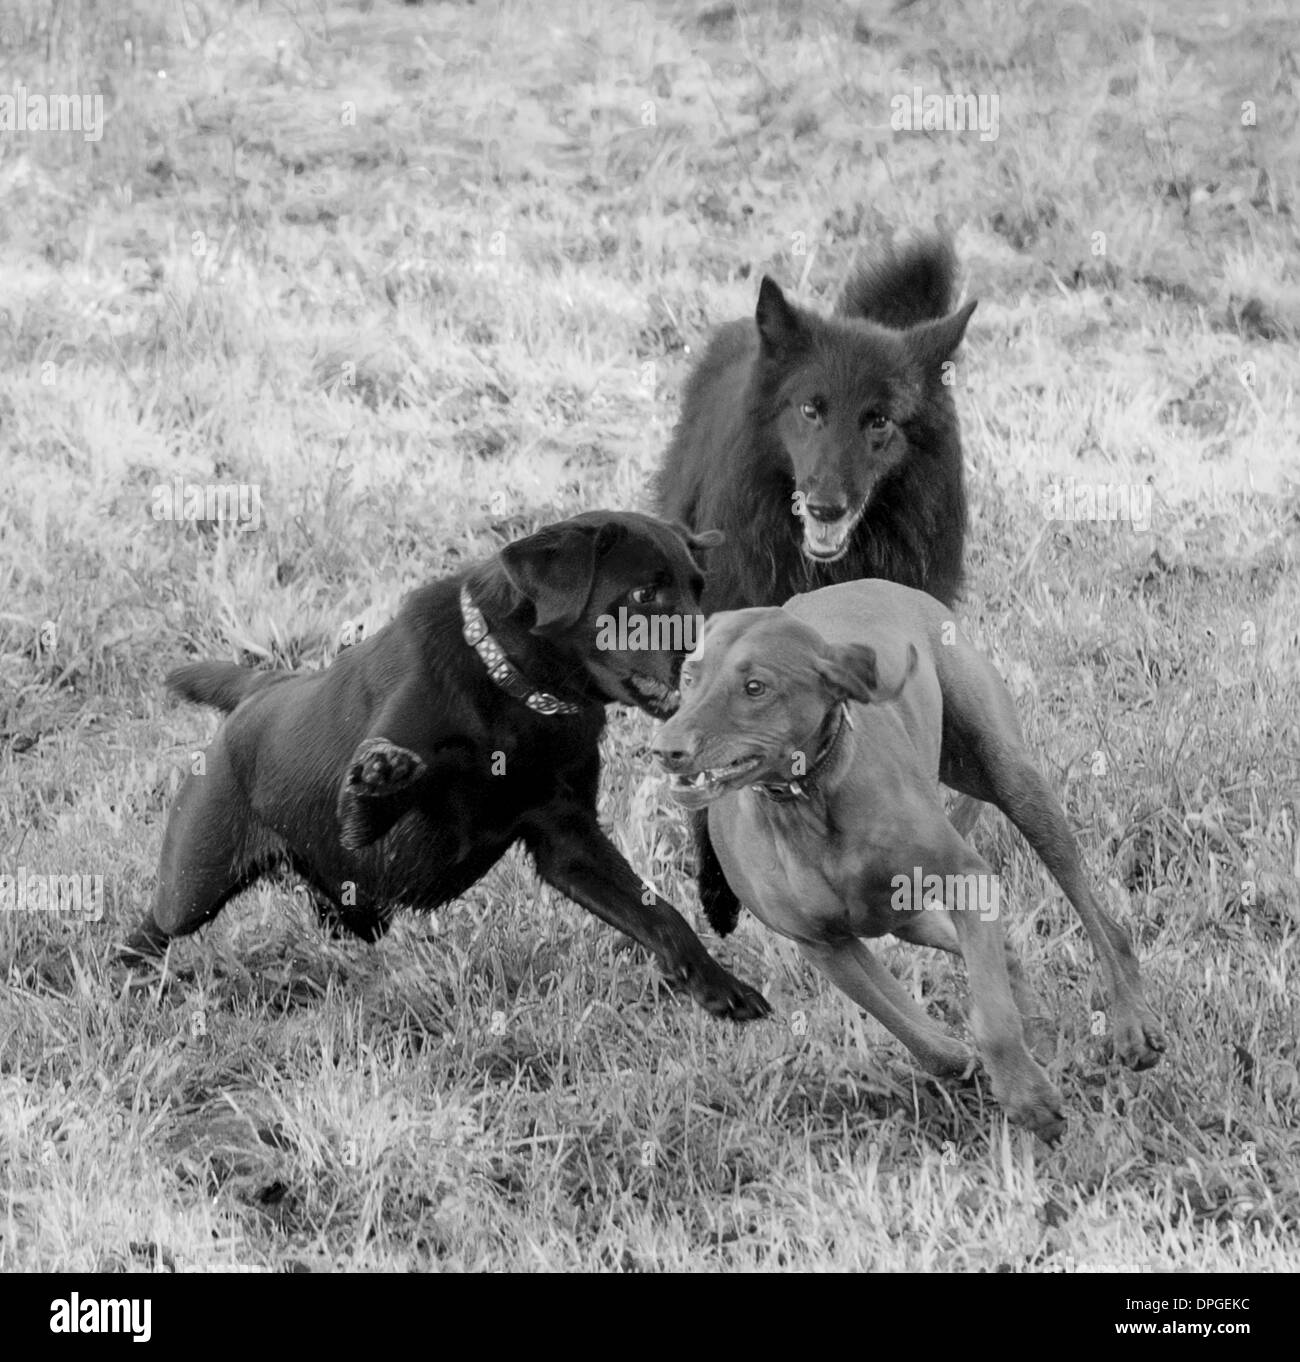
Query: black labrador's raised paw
[(373, 796)]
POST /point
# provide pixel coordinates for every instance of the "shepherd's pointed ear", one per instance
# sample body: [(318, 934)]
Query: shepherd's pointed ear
[(555, 569), (930, 343), (780, 327), (850, 673), (701, 541)]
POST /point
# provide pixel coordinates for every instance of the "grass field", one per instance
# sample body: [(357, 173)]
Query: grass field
[(429, 276)]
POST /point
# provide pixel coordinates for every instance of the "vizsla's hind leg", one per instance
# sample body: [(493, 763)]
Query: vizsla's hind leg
[(207, 857), (851, 967), (1022, 1088), (936, 929), (998, 768), (1024, 796)]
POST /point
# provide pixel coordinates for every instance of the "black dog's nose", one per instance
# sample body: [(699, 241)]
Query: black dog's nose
[(820, 511)]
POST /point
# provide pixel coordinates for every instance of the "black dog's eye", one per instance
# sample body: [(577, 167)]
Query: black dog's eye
[(811, 411), (874, 420), (754, 687), (643, 595)]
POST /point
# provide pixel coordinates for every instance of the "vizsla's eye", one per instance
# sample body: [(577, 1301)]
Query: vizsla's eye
[(685, 680), (811, 411), (643, 595), (754, 687)]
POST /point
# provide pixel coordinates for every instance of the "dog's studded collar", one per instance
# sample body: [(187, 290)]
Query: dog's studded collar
[(799, 789), (499, 666)]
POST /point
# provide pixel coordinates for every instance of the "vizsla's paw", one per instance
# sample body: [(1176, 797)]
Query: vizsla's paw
[(1040, 1038), (947, 1058), (1139, 1040), (1038, 1108), (380, 768)]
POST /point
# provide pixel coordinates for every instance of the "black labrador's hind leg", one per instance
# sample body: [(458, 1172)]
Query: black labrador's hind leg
[(208, 856), (345, 910), (721, 906)]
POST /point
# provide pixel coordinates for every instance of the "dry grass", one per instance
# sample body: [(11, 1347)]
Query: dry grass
[(469, 312)]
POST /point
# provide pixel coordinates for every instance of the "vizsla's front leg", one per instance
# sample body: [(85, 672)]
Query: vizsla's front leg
[(851, 967)]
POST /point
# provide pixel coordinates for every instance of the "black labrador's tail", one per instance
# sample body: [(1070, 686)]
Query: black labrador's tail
[(903, 287), (219, 684)]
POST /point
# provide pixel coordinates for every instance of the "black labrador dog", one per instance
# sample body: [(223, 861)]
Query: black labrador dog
[(400, 774)]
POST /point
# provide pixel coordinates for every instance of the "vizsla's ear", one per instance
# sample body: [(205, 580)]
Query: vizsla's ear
[(555, 569), (850, 673), (780, 327)]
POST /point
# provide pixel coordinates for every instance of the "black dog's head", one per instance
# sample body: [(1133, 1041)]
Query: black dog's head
[(841, 393), (618, 594)]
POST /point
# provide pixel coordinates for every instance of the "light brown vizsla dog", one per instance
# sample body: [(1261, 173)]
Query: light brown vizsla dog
[(822, 781)]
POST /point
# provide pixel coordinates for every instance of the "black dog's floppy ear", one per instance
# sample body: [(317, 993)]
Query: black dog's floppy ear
[(779, 325), (851, 674), (930, 343), (555, 569)]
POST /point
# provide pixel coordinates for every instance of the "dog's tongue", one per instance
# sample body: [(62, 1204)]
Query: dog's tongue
[(823, 537)]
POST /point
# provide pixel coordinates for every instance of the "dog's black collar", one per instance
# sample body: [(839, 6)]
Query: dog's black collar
[(800, 789), (499, 666)]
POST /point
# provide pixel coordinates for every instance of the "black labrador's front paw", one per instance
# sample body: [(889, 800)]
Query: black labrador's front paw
[(723, 995), (380, 770)]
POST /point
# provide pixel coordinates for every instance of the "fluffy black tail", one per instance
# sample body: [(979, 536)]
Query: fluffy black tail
[(903, 287), (721, 906), (219, 684)]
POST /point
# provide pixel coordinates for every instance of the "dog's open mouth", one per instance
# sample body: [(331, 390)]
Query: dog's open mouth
[(654, 696), (707, 785), (828, 541)]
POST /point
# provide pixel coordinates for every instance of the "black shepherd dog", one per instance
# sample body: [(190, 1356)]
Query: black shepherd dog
[(826, 448)]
